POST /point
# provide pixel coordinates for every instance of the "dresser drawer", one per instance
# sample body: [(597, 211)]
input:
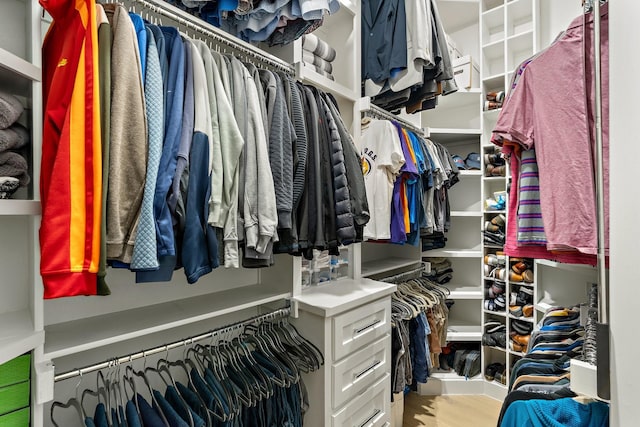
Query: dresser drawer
[(369, 409), (360, 370), (357, 328)]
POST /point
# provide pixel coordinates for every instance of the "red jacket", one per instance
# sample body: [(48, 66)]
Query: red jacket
[(71, 170)]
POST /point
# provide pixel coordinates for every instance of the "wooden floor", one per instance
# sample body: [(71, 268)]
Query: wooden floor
[(450, 411)]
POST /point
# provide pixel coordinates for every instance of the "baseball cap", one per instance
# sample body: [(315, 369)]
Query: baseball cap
[(473, 161), (459, 162)]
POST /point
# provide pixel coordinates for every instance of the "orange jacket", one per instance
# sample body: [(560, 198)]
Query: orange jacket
[(71, 168)]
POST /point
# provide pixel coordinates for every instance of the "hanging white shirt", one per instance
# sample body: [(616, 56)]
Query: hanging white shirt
[(382, 158)]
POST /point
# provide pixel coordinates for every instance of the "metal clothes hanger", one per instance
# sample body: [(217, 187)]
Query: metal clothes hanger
[(74, 403), (166, 364), (197, 365), (170, 383), (142, 375), (266, 385)]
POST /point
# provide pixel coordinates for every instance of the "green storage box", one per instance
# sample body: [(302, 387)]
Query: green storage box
[(20, 418), (14, 397), (15, 371)]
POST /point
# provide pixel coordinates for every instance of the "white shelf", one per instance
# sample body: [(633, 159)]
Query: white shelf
[(460, 99), (466, 213), (336, 297), (464, 172), (517, 353), (16, 74), (371, 268), (564, 266), (308, 75), (496, 313), (495, 81), (453, 376), (465, 294), (17, 335), (495, 212), (443, 383), (521, 42), (494, 178), (19, 207), (458, 14), (454, 131), (73, 337), (522, 318), (494, 50), (492, 114), (463, 332), (453, 253), (584, 379), (494, 347)]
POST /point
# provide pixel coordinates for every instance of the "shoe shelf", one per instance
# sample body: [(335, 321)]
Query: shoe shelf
[(470, 172), (493, 279), (486, 246), (494, 178), (522, 318), (466, 213), (495, 347), (495, 313), (517, 353)]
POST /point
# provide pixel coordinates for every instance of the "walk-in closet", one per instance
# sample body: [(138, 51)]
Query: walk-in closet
[(321, 213)]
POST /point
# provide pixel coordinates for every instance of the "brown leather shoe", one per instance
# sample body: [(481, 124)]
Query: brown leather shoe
[(527, 276), (527, 310)]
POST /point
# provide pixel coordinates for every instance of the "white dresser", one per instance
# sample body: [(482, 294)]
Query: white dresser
[(350, 321)]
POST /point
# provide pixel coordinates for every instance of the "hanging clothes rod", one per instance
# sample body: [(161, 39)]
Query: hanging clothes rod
[(274, 315), (161, 8), (409, 274), (378, 113)]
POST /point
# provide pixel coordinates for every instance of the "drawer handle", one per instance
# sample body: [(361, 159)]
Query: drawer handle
[(364, 328), (373, 366), (368, 420)]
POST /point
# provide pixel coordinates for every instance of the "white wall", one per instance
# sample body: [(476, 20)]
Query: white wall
[(625, 205), (555, 16)]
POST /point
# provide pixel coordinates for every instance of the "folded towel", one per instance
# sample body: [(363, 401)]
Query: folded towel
[(10, 109), (13, 137), (319, 71), (8, 186), (320, 48), (310, 58), (14, 165)]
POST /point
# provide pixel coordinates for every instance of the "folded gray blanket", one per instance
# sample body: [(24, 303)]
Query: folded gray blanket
[(14, 165), (320, 48), (311, 58), (10, 109), (14, 137)]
